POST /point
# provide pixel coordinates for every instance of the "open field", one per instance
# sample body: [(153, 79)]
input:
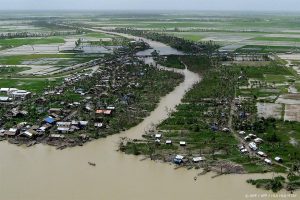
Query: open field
[(269, 110), (46, 59), (43, 64), (284, 39), (193, 36), (225, 29), (8, 43), (34, 85), (67, 44), (97, 35), (12, 70)]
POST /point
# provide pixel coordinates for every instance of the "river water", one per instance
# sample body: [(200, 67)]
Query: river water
[(162, 48), (44, 173)]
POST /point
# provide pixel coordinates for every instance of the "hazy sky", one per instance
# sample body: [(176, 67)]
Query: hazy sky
[(278, 5)]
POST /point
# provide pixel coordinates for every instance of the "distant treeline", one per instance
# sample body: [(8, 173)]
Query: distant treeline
[(175, 42), (51, 24), (30, 34)]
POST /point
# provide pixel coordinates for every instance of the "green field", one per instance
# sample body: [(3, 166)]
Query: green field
[(11, 70), (98, 35), (8, 43), (62, 59), (274, 78), (33, 85), (267, 49), (193, 36), (297, 85), (283, 39)]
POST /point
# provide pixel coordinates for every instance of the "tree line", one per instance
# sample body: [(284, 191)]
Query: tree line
[(180, 44)]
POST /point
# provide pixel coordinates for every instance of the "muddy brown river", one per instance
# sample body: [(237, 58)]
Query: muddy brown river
[(44, 173)]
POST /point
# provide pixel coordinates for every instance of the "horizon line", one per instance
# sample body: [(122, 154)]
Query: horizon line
[(147, 10)]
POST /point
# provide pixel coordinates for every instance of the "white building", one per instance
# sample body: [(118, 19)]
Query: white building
[(198, 159), (20, 95), (15, 93), (253, 146), (5, 99)]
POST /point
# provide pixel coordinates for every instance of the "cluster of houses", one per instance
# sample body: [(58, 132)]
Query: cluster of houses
[(158, 138), (69, 81), (75, 78), (13, 94), (22, 129), (178, 159), (253, 145), (113, 79), (251, 141), (56, 122)]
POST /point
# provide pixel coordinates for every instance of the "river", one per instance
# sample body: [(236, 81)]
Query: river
[(162, 48), (43, 173)]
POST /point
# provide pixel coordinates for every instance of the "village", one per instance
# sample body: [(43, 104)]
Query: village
[(115, 96)]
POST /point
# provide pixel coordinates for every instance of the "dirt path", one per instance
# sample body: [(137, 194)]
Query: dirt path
[(241, 140)]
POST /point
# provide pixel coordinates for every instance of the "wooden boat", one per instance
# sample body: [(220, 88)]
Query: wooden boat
[(92, 164)]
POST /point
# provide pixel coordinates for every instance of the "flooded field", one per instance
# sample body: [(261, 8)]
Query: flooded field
[(289, 56), (40, 49), (268, 110), (289, 99), (97, 49), (292, 113)]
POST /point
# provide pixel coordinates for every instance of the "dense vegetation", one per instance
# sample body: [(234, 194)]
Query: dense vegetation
[(172, 61), (277, 183), (205, 111), (180, 44)]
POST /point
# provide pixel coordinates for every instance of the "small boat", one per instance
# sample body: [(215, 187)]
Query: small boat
[(195, 178), (92, 164)]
